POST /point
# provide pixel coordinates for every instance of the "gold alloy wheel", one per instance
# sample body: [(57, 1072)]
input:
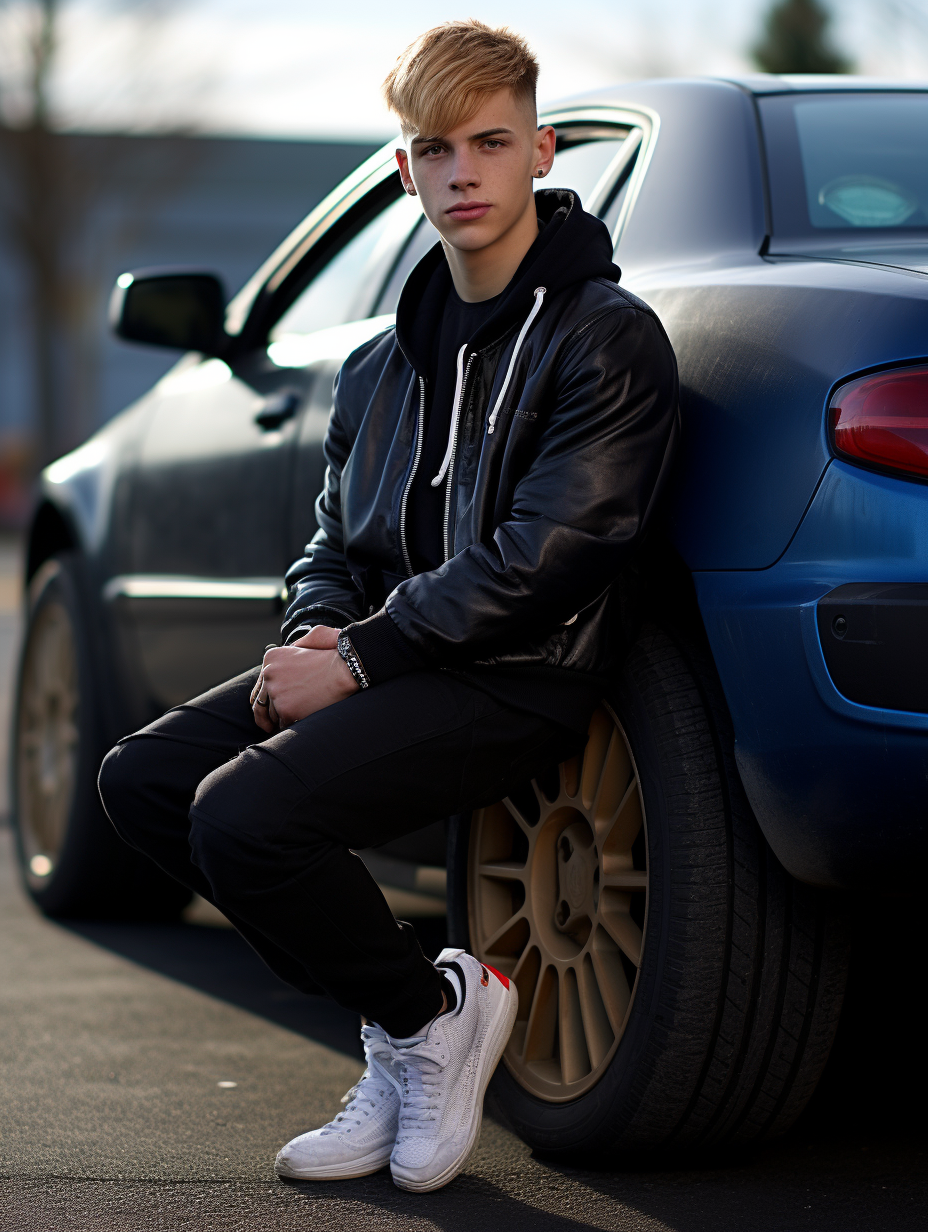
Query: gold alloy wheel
[(47, 740), (557, 897)]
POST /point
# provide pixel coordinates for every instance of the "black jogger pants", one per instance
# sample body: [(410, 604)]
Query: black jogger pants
[(264, 826)]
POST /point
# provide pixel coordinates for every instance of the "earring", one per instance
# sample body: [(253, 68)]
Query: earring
[(411, 191), (539, 173)]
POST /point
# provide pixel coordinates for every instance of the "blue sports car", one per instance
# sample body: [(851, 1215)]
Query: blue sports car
[(671, 903)]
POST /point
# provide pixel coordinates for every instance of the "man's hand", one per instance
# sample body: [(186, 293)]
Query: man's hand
[(300, 679)]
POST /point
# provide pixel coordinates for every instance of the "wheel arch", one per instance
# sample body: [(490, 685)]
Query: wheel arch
[(51, 531)]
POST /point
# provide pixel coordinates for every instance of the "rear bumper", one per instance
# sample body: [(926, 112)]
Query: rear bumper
[(837, 776)]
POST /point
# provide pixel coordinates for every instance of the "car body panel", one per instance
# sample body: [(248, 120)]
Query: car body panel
[(756, 371), (839, 788)]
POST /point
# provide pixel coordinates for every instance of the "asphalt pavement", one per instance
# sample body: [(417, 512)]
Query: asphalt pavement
[(149, 1073)]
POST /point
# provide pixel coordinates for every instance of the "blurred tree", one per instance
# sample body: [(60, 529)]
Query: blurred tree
[(37, 214), (795, 40), (51, 184)]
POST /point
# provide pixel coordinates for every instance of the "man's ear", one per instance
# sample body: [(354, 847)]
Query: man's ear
[(402, 161), (544, 150)]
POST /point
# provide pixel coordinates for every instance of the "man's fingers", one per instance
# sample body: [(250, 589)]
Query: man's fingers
[(256, 691)]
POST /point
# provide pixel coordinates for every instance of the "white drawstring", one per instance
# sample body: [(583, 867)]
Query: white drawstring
[(539, 298), (456, 410)]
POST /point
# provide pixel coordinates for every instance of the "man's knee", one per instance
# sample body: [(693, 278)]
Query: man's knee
[(119, 783), (249, 819)]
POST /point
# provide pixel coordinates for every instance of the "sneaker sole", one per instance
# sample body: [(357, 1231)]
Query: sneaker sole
[(497, 1038), (364, 1166)]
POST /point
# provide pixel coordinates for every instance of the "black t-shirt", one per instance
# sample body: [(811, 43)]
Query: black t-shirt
[(425, 513)]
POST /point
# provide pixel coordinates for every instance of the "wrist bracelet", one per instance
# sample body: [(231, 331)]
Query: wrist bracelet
[(355, 666)]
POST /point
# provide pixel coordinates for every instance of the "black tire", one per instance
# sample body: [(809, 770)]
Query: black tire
[(72, 862), (742, 969)]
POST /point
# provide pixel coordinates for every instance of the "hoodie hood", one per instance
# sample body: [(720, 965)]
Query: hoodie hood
[(572, 246)]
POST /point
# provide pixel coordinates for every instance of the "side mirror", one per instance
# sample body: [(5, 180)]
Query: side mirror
[(173, 308)]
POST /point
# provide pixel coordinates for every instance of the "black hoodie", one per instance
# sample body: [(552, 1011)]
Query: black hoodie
[(571, 246)]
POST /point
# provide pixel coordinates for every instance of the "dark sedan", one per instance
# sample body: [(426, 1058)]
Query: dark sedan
[(670, 904)]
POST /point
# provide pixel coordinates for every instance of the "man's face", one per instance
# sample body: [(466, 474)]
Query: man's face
[(475, 181)]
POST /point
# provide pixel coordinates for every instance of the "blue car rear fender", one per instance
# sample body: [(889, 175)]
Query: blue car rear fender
[(840, 789)]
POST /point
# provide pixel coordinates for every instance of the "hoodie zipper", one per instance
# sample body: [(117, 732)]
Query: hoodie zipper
[(446, 471), (420, 431), (452, 450)]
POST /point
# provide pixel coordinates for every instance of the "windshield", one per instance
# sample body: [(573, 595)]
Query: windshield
[(847, 165)]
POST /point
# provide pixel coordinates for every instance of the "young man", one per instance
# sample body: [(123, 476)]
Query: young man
[(492, 464)]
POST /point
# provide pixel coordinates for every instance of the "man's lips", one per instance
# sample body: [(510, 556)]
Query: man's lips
[(467, 211)]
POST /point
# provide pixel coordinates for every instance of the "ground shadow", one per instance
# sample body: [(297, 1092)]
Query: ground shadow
[(218, 962), (855, 1161)]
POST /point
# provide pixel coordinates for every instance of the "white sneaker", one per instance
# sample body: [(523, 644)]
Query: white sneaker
[(444, 1078), (360, 1139)]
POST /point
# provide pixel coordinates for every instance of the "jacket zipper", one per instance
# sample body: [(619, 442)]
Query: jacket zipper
[(446, 536), (420, 431)]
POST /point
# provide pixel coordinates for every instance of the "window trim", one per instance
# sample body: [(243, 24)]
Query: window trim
[(643, 118), (327, 228)]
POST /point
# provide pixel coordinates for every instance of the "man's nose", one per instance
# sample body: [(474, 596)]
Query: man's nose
[(464, 173)]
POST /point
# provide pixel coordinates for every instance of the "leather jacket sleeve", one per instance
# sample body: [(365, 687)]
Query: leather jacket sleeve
[(577, 515), (321, 589)]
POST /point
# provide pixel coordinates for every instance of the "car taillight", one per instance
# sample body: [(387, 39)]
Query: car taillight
[(882, 420)]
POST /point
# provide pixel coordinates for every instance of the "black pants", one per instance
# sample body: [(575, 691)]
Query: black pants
[(263, 827)]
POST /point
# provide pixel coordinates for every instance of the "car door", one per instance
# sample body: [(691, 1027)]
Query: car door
[(212, 508)]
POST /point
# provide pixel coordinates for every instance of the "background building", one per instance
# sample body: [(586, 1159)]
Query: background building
[(221, 204)]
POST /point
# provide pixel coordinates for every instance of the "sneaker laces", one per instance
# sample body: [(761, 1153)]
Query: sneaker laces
[(420, 1093), (371, 1087)]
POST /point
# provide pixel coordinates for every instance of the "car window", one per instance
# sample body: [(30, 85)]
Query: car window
[(848, 163), (422, 239), (580, 164), (346, 288)]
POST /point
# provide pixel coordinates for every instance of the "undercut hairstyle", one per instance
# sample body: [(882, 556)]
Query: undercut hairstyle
[(442, 78)]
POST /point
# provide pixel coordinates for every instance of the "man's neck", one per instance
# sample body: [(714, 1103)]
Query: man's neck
[(488, 271)]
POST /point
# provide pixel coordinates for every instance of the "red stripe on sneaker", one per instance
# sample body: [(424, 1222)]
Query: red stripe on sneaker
[(502, 979)]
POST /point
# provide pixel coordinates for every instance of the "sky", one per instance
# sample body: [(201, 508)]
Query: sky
[(294, 68)]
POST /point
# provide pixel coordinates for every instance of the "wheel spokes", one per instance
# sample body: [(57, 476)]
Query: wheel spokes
[(611, 980), (572, 1046), (509, 938), (558, 908), (599, 1032), (624, 932), (504, 870), (48, 735), (541, 1028)]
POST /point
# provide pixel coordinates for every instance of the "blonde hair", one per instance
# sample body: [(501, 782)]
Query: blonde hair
[(442, 78)]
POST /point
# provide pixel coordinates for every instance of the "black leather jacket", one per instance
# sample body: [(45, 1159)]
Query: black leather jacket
[(549, 488)]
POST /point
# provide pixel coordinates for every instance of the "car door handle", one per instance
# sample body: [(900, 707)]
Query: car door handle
[(277, 409)]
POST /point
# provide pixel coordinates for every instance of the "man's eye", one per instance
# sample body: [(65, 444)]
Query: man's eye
[(432, 149), (493, 145)]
